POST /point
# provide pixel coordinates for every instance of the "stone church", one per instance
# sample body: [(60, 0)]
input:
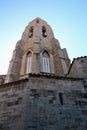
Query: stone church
[(43, 90)]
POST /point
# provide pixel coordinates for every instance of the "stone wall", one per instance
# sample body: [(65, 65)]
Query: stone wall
[(12, 106), (43, 102), (78, 68)]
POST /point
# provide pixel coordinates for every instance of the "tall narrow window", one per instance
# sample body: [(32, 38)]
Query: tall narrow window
[(31, 32), (46, 64), (61, 98), (44, 34), (28, 65)]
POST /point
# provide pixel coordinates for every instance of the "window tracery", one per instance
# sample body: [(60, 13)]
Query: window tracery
[(46, 62), (28, 62)]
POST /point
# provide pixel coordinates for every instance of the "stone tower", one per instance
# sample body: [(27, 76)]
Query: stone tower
[(37, 52), (42, 91)]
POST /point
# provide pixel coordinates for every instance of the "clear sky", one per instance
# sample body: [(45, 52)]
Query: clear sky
[(68, 19)]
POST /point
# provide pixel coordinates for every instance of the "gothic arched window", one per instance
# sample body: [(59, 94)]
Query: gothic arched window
[(46, 62), (28, 62), (31, 32), (44, 34)]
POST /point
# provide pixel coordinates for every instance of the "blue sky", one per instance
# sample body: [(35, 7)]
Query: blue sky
[(68, 19)]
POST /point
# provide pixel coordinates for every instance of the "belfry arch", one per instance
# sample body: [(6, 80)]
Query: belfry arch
[(37, 52)]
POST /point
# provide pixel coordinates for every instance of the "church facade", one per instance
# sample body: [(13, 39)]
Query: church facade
[(43, 90), (38, 52)]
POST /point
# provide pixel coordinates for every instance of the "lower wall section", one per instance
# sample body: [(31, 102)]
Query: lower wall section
[(43, 103)]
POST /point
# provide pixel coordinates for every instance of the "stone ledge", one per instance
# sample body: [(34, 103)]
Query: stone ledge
[(14, 83), (54, 76), (38, 76)]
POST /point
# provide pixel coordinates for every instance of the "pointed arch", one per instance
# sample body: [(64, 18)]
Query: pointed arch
[(28, 62), (44, 32), (45, 62), (31, 32)]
